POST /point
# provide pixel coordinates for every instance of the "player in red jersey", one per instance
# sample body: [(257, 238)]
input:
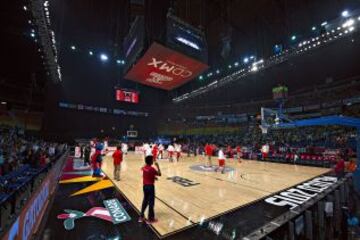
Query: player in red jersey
[(238, 153), (155, 151), (209, 152), (118, 157), (149, 177)]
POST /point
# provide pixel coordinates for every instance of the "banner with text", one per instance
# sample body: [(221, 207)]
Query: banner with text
[(164, 68)]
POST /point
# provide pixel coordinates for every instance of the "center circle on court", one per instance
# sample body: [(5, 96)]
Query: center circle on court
[(204, 168)]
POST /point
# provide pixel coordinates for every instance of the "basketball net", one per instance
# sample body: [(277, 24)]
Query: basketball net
[(264, 129)]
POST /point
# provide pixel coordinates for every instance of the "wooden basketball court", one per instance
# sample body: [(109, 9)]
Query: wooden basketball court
[(210, 194)]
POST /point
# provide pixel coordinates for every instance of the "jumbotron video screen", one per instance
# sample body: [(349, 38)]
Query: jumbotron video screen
[(165, 68)]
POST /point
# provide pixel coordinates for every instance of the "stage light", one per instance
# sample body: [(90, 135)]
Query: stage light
[(324, 23), (348, 23), (351, 29), (236, 64), (3, 103), (25, 8), (32, 35), (345, 13), (188, 43), (201, 77), (46, 4), (229, 66), (104, 57), (254, 68), (91, 53), (246, 60), (252, 57), (293, 37), (73, 47), (313, 28), (118, 61)]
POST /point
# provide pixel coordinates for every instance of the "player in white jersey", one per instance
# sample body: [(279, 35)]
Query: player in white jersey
[(171, 150), (221, 158), (124, 148), (177, 151), (147, 149), (161, 151)]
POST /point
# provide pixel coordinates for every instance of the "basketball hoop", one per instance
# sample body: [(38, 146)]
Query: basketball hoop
[(264, 129)]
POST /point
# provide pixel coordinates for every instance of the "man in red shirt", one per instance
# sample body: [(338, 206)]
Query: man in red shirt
[(209, 152), (154, 152), (118, 157), (340, 168), (149, 177)]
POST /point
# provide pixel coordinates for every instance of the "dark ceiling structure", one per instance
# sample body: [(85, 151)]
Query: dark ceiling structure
[(233, 29)]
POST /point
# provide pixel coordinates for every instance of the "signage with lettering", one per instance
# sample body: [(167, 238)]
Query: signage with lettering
[(164, 68), (116, 210), (183, 181), (302, 193)]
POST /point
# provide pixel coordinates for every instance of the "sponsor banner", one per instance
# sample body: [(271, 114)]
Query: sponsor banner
[(165, 68), (80, 107), (30, 217), (124, 95), (301, 193), (116, 210), (113, 212)]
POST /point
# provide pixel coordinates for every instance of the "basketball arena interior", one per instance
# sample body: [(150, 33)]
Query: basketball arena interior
[(180, 120)]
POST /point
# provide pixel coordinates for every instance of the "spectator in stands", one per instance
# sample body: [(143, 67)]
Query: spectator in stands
[(1, 162), (87, 152), (340, 168)]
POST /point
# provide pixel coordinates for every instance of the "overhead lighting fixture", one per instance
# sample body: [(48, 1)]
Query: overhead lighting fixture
[(293, 37), (313, 28), (217, 71), (3, 103), (73, 47), (348, 23), (188, 42), (25, 8), (91, 53), (32, 35), (236, 64), (324, 23), (201, 77), (345, 13), (118, 61), (246, 60), (104, 57)]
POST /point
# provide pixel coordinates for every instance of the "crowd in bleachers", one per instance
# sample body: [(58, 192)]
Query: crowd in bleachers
[(16, 150), (24, 162), (320, 146)]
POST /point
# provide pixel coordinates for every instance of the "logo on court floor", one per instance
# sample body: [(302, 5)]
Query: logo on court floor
[(213, 168), (299, 194), (113, 212), (183, 181)]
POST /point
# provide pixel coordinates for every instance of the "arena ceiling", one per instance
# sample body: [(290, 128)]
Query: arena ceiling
[(233, 28)]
